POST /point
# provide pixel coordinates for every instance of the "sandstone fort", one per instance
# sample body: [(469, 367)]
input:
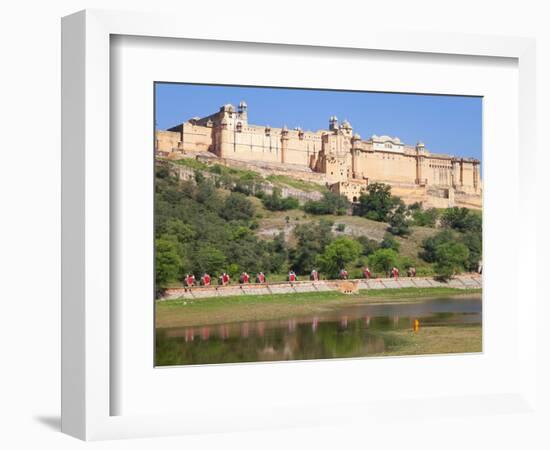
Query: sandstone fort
[(336, 157)]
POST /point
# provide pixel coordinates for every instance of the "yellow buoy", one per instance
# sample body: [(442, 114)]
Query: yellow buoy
[(416, 325)]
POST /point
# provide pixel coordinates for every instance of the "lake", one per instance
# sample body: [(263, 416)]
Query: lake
[(347, 331)]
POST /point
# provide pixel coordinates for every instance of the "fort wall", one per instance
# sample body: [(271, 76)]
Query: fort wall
[(340, 158)]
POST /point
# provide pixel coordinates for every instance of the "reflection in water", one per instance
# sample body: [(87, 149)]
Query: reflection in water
[(350, 331)]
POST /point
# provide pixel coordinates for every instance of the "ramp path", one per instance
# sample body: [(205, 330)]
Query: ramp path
[(465, 281)]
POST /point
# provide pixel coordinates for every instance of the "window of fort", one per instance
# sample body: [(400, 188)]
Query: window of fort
[(239, 127)]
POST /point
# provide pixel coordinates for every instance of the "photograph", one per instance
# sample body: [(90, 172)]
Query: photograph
[(300, 224)]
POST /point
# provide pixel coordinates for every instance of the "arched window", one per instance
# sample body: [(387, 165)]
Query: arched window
[(239, 127)]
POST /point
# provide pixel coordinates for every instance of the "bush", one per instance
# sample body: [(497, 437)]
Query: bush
[(399, 223), (430, 244), (341, 227), (472, 240), (275, 202), (337, 254), (404, 262), (461, 219), (331, 203), (237, 207), (383, 260), (167, 262), (390, 242), (378, 203), (423, 217), (209, 259), (369, 246), (311, 241), (450, 259)]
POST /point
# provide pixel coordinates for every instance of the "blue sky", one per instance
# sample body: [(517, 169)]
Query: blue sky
[(446, 124)]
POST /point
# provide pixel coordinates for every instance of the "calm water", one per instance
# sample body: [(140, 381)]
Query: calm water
[(350, 331)]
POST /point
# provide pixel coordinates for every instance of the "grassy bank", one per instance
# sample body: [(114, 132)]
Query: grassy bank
[(216, 310), (433, 340)]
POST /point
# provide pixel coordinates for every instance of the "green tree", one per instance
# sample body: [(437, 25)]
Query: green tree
[(337, 254), (430, 244), (383, 260), (389, 241), (423, 217), (377, 203), (369, 246), (277, 254), (209, 259), (207, 194), (331, 203), (399, 223), (182, 232), (405, 262), (461, 219), (450, 259), (237, 207), (311, 240), (472, 240), (275, 201), (167, 262)]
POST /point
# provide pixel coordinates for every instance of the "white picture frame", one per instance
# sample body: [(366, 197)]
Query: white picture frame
[(88, 324)]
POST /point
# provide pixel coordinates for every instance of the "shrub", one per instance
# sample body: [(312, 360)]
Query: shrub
[(167, 261), (399, 223), (390, 242), (337, 254), (382, 260), (369, 246), (424, 218), (377, 203), (275, 202), (331, 203), (430, 244), (311, 241), (237, 207), (461, 219), (450, 259)]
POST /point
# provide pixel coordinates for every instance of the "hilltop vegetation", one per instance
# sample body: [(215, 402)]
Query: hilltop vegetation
[(227, 223)]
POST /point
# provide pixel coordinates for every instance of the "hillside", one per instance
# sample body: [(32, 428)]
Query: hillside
[(213, 218)]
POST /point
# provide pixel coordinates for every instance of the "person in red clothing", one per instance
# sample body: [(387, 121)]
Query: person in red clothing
[(190, 279), (395, 272), (292, 276), (245, 278), (225, 279), (366, 273), (260, 278), (206, 280), (343, 274), (314, 276)]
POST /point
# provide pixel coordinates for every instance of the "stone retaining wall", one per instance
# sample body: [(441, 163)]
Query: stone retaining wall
[(468, 281)]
